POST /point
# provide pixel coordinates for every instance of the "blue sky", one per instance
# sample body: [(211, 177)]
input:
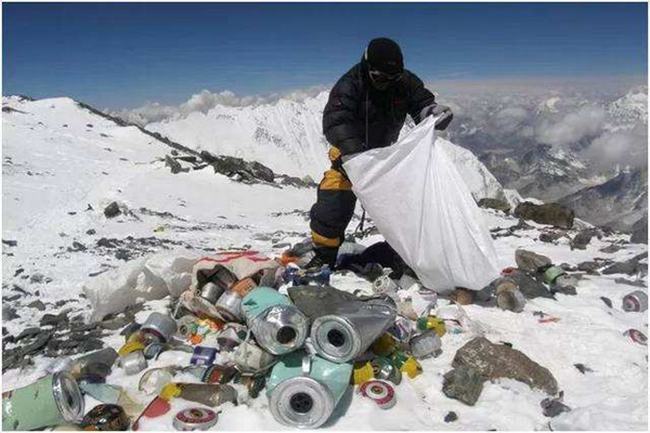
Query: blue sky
[(121, 55)]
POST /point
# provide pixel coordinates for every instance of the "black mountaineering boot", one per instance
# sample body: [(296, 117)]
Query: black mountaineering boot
[(322, 256)]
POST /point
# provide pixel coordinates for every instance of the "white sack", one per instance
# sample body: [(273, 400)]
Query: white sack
[(421, 205), (148, 278)]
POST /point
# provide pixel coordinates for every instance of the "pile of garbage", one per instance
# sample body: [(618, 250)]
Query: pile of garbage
[(256, 325)]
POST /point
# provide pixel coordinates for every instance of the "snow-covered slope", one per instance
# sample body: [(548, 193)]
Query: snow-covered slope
[(287, 136), (52, 173)]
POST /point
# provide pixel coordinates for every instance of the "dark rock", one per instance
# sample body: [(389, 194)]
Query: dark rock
[(107, 243), (9, 313), (28, 333), (37, 304), (114, 324), (551, 236), (607, 301), (590, 267), (530, 261), (89, 207), (175, 166), (77, 246), (123, 254), (91, 344), (582, 239), (494, 203), (37, 278), (638, 283), (89, 125), (54, 320), (563, 290), (451, 417), (640, 231), (19, 271), (10, 242), (239, 169), (494, 361), (629, 267), (528, 285), (112, 210), (583, 368), (552, 407), (464, 384), (610, 249), (548, 213), (91, 232)]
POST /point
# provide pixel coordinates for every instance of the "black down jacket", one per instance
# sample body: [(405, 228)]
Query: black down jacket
[(356, 109)]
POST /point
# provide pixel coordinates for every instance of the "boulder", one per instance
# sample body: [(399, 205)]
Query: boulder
[(174, 165), (548, 213), (640, 231), (112, 210), (582, 239), (464, 384), (528, 285), (495, 203), (495, 361)]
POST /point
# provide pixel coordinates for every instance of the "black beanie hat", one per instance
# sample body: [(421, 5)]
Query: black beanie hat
[(384, 55)]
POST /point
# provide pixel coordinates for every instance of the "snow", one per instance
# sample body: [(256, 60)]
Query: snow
[(211, 212)]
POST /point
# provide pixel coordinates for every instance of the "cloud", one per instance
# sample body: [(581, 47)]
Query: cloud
[(622, 147), (572, 127), (206, 100)]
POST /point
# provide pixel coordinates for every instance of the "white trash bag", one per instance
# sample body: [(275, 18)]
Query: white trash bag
[(421, 205)]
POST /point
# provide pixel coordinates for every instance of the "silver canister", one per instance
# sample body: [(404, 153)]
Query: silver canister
[(280, 329), (310, 402), (211, 292), (636, 301), (134, 362), (425, 345), (229, 306), (160, 325), (351, 329)]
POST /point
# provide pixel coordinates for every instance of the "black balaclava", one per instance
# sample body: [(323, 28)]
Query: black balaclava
[(384, 55)]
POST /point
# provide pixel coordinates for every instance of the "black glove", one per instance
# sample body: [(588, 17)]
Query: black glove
[(443, 113)]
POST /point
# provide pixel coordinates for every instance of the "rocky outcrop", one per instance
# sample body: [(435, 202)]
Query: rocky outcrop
[(640, 231), (481, 358), (548, 213), (494, 203)]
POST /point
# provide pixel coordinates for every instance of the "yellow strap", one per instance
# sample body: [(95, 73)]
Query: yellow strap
[(324, 241), (334, 153)]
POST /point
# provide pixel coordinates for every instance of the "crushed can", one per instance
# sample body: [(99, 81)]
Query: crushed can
[(106, 417), (380, 392), (425, 344), (637, 336), (160, 325), (636, 301), (300, 277), (209, 394), (278, 325), (211, 292), (384, 369), (218, 374), (304, 390), (203, 355), (229, 306), (250, 358), (231, 336), (401, 330), (133, 362), (195, 418), (351, 329), (52, 400)]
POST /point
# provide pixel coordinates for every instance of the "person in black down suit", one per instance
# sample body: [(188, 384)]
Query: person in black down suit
[(366, 109)]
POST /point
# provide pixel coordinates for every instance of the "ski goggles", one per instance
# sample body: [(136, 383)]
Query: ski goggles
[(383, 77)]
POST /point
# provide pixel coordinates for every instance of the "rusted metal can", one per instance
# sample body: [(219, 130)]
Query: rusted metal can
[(106, 417)]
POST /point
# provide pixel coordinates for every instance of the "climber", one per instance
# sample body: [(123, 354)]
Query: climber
[(366, 109)]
